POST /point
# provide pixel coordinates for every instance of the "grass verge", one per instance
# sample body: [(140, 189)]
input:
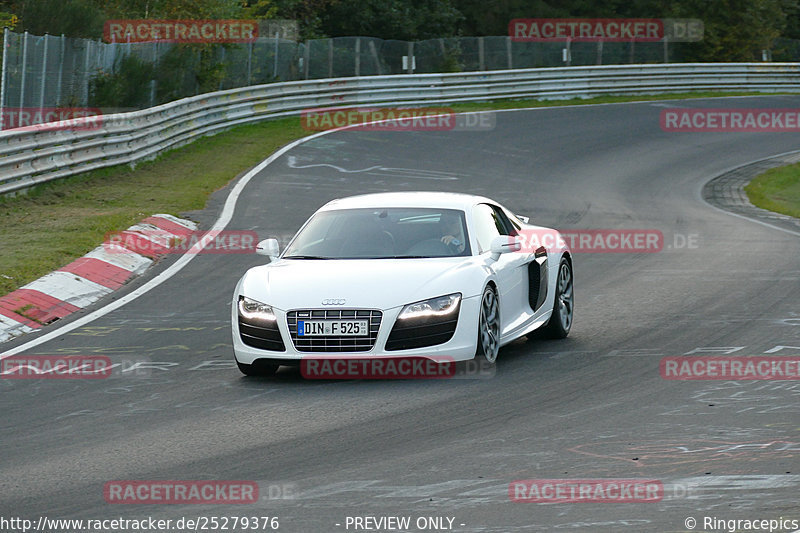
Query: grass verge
[(57, 222), (777, 189)]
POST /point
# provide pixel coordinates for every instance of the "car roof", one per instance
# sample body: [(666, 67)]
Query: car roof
[(441, 200)]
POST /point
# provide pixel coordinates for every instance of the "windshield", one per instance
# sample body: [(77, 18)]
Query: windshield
[(382, 234)]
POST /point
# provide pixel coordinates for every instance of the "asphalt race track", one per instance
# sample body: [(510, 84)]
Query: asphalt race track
[(593, 406)]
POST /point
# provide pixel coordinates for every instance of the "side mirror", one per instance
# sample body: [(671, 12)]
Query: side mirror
[(503, 244), (269, 247), (523, 218)]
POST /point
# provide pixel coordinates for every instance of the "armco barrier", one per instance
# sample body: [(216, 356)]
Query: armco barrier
[(31, 157)]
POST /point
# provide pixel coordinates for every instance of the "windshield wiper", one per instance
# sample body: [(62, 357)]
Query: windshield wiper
[(305, 257), (408, 257)]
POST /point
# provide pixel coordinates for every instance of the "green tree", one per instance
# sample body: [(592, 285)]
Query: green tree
[(391, 19), (127, 87), (170, 9), (8, 20), (484, 19), (260, 9), (73, 18), (307, 13), (735, 30)]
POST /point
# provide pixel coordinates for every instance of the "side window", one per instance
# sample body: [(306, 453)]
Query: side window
[(515, 223), (488, 225), (505, 220)]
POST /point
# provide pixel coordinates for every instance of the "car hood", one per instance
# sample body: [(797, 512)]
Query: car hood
[(365, 283)]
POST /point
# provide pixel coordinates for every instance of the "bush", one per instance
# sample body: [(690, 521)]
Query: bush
[(127, 86)]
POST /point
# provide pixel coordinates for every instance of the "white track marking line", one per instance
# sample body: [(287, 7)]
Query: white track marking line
[(699, 192), (743, 217), (219, 225), (227, 214)]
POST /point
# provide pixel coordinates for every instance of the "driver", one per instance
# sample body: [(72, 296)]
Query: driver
[(452, 232)]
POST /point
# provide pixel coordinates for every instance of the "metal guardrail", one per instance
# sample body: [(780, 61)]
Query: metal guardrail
[(28, 158)]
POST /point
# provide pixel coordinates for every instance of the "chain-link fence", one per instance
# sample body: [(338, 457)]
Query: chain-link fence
[(52, 72)]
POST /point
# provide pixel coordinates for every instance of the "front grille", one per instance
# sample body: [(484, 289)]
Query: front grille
[(334, 343), (265, 337)]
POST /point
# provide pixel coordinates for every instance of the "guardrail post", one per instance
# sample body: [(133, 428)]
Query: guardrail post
[(196, 81), (508, 53), (374, 52), (481, 58), (60, 71), (249, 63), (44, 73), (307, 58), (330, 58), (85, 98), (24, 68), (153, 82), (274, 64), (358, 56), (3, 79), (600, 52), (222, 80), (410, 64), (666, 49)]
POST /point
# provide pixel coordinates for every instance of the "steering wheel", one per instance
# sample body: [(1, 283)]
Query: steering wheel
[(433, 247)]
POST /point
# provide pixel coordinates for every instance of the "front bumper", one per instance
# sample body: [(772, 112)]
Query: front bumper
[(460, 347)]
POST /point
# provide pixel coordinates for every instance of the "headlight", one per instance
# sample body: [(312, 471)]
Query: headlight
[(435, 307), (255, 310)]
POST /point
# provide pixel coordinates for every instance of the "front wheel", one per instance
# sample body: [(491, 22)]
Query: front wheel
[(564, 305), (488, 327)]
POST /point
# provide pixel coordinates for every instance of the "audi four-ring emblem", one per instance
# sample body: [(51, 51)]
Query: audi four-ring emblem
[(333, 301)]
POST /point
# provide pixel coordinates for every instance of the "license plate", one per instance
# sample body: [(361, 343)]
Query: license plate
[(339, 328)]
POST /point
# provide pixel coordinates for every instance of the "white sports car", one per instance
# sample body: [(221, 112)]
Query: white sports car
[(416, 274)]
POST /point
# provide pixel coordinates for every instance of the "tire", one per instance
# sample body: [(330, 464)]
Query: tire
[(488, 327), (560, 322), (258, 368)]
